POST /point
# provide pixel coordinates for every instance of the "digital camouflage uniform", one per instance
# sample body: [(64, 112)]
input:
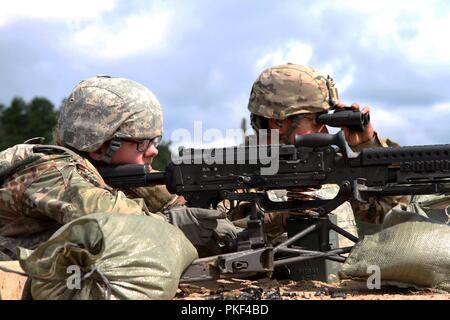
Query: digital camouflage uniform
[(47, 188), (124, 109), (44, 187), (128, 118)]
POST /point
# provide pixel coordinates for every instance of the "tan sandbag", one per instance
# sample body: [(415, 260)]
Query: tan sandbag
[(118, 256)]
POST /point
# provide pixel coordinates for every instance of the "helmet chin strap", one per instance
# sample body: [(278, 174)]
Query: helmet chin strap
[(114, 145)]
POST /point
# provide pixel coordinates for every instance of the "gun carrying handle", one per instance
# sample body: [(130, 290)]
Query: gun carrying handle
[(316, 140), (323, 140)]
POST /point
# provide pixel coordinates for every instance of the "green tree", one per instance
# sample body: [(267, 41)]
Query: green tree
[(163, 157), (41, 119), (21, 121)]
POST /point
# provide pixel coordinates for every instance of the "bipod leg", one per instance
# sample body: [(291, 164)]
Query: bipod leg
[(342, 232), (254, 233), (322, 225)]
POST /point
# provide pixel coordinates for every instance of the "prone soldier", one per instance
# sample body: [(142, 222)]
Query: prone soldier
[(104, 120)]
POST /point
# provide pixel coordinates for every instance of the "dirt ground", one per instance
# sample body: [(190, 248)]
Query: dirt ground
[(12, 286), (266, 289)]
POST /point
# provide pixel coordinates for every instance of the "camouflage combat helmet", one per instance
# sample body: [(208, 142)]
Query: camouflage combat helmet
[(289, 89), (104, 108)]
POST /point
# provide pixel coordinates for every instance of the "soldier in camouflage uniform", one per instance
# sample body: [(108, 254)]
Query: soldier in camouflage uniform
[(288, 98), (105, 120), (434, 207)]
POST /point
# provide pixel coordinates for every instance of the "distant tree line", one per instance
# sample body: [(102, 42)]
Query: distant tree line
[(21, 121)]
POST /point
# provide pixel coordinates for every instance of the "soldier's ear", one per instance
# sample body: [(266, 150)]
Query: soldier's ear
[(272, 124)]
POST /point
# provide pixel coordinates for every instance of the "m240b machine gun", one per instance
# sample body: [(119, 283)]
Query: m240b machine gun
[(206, 177)]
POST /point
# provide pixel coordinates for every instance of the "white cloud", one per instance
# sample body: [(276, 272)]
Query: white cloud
[(125, 36), (430, 45), (338, 67), (417, 126), (87, 29), (344, 83), (293, 51), (73, 10), (415, 29), (301, 53), (441, 107), (386, 119)]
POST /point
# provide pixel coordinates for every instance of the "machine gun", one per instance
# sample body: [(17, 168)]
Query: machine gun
[(206, 177)]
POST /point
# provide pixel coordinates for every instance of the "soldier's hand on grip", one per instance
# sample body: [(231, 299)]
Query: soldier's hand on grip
[(207, 229)]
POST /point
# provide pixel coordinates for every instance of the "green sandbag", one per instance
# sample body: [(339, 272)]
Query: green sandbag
[(409, 254), (120, 256), (436, 207)]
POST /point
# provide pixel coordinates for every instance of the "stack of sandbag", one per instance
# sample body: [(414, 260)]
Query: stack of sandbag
[(109, 256)]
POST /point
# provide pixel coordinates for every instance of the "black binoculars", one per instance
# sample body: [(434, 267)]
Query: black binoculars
[(355, 120)]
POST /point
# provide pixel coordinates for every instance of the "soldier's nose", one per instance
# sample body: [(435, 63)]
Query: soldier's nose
[(151, 151)]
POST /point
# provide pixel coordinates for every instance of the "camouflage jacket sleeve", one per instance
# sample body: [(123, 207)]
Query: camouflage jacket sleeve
[(57, 189), (157, 198), (375, 209)]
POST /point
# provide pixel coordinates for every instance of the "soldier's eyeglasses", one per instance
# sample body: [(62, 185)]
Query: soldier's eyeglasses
[(298, 117), (143, 145), (310, 116)]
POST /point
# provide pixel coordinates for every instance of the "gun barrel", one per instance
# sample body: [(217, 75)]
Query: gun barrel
[(155, 178), (131, 176)]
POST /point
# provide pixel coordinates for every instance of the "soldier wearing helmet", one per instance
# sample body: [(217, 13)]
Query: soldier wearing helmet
[(288, 98), (105, 115), (104, 120)]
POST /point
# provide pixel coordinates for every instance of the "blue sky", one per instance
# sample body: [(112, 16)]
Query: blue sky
[(200, 58)]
